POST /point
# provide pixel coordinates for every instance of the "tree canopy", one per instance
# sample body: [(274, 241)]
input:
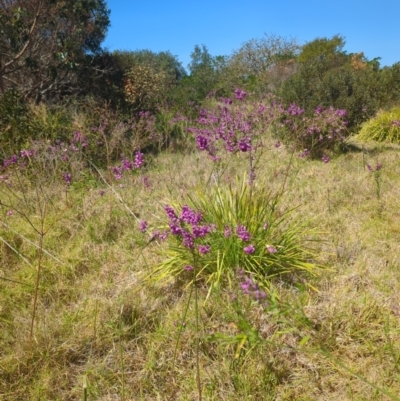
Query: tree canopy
[(44, 42)]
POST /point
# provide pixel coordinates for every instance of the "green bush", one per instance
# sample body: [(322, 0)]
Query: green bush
[(384, 127)]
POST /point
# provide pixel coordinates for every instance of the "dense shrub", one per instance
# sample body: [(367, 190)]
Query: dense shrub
[(329, 77), (384, 127), (314, 134)]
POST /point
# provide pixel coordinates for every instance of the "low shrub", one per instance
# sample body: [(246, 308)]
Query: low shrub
[(323, 131), (236, 227), (384, 127)]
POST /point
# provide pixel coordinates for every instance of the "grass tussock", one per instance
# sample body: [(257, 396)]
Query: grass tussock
[(98, 323)]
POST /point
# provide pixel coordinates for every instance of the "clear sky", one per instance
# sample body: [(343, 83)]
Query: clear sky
[(371, 26)]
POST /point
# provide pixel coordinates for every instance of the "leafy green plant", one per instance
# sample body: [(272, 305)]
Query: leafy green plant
[(384, 127), (248, 230)]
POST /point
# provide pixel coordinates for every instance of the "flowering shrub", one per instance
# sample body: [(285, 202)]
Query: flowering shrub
[(237, 226), (315, 134)]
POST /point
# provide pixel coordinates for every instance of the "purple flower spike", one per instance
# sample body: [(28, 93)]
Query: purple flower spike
[(271, 249), (242, 233), (202, 142), (227, 232), (203, 249), (143, 226), (67, 178), (171, 213), (189, 268), (249, 249), (240, 94), (139, 159)]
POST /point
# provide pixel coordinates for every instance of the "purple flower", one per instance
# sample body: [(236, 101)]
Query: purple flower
[(189, 216), (188, 239), (79, 138), (171, 213), (295, 110), (9, 213), (305, 153), (162, 236), (146, 182), (240, 94), (340, 113), (271, 249), (242, 233), (127, 165), (201, 231), (227, 232), (244, 144), (278, 144), (326, 159), (26, 153), (189, 268), (251, 288), (139, 159), (175, 228), (143, 226), (202, 142), (117, 171), (203, 249), (67, 178), (12, 160), (378, 167), (250, 249)]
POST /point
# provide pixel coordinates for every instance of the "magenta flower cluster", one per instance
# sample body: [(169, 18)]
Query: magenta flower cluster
[(377, 168), (244, 235), (232, 127), (128, 165), (188, 228), (251, 288)]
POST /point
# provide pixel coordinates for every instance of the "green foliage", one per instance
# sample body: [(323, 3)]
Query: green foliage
[(327, 76), (384, 127), (14, 121), (45, 42), (278, 241), (322, 49)]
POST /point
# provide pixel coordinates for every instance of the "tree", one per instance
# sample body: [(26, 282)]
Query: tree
[(44, 42), (148, 78), (322, 49), (267, 61)]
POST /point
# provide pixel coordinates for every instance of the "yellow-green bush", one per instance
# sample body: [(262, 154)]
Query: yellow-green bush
[(384, 127)]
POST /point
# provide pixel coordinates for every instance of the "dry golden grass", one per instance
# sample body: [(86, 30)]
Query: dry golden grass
[(98, 323)]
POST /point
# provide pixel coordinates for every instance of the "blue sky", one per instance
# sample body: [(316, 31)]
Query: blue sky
[(223, 26)]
